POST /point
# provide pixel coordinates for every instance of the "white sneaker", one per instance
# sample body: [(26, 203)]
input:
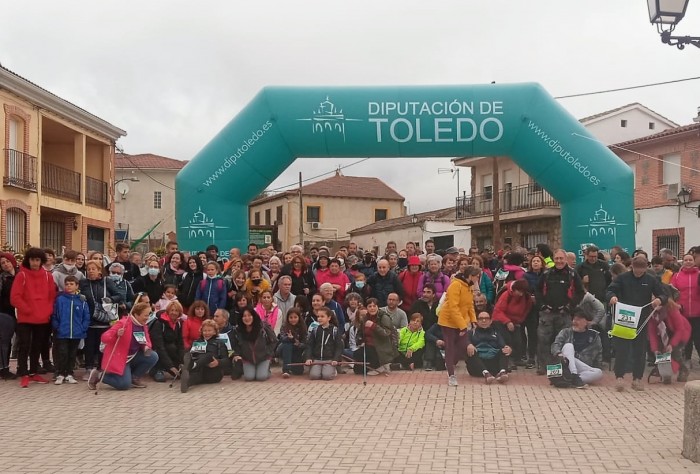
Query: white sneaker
[(59, 380), (70, 379), (452, 381)]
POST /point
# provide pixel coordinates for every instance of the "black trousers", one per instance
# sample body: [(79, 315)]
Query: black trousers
[(7, 330), (64, 352), (372, 359), (637, 347), (416, 359), (476, 365), (32, 338), (433, 356), (203, 373), (513, 339), (694, 338), (529, 331)]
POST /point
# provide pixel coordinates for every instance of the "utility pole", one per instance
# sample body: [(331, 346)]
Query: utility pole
[(301, 215), (495, 199)]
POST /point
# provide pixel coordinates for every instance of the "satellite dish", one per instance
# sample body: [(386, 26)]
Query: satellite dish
[(122, 188)]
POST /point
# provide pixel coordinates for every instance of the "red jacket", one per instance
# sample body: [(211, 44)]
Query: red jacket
[(410, 288), (686, 281), (677, 325), (190, 331), (511, 308), (33, 294), (116, 363)]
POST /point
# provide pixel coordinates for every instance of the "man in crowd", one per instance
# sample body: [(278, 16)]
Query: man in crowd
[(594, 273), (384, 282), (429, 247), (426, 306), (131, 271), (580, 348), (397, 315), (284, 297)]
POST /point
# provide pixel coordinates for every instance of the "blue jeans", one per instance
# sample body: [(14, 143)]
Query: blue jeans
[(136, 367), (291, 354)]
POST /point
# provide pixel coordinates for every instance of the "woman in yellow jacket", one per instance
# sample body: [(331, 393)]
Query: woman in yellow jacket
[(455, 316)]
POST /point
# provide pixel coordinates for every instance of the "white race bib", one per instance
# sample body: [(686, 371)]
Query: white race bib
[(554, 371), (627, 315), (140, 337), (199, 347), (666, 357)]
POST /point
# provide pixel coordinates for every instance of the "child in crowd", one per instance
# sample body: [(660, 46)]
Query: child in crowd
[(166, 335), (292, 345), (199, 312), (212, 289), (70, 320), (169, 295), (268, 311), (206, 360), (324, 347), (411, 344), (240, 302), (487, 351), (253, 344)]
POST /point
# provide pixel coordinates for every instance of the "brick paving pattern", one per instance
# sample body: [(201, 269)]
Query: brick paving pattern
[(404, 423)]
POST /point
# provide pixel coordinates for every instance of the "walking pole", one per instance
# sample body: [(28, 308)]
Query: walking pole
[(175, 376), (97, 385)]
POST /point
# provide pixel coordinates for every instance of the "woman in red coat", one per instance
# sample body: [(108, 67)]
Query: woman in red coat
[(669, 331), (409, 279), (33, 294), (509, 314)]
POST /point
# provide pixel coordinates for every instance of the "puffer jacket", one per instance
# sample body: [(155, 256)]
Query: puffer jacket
[(458, 309), (94, 291), (166, 336), (512, 308), (71, 316), (254, 352), (592, 355), (686, 281), (118, 346), (33, 294), (594, 308), (440, 280)]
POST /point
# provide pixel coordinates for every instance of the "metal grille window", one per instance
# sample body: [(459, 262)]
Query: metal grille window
[(313, 214), (278, 219), (16, 229), (268, 216), (380, 214), (671, 242), (53, 235), (96, 238), (157, 200), (531, 240)]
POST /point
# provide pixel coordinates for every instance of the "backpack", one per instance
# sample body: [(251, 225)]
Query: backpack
[(499, 281), (572, 279), (565, 380)]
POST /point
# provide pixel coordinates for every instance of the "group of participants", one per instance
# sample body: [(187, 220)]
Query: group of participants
[(199, 318)]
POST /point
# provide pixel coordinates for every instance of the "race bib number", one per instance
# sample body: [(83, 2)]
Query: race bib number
[(312, 326), (140, 337), (199, 347), (627, 315), (666, 357), (554, 371), (227, 342)]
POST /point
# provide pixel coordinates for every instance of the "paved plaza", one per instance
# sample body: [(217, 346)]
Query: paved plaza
[(404, 423)]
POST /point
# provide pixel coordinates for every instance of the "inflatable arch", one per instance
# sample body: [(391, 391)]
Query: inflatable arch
[(522, 121)]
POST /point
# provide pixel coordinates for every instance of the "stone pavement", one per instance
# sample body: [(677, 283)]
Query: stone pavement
[(404, 423)]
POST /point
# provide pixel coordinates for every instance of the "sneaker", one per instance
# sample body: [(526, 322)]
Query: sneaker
[(24, 381), (576, 381), (502, 377), (93, 379), (70, 379), (59, 380), (637, 385), (372, 373), (159, 376), (620, 385), (428, 367), (38, 379), (184, 379), (452, 380), (285, 375), (6, 374), (137, 383), (488, 378), (530, 364)]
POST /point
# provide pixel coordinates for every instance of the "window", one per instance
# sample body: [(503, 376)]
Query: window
[(487, 187), (157, 200), (652, 125), (671, 242), (672, 169), (278, 218), (268, 216), (257, 218), (96, 238), (531, 240), (444, 241), (13, 134), (313, 214), (623, 123), (16, 229), (488, 193), (52, 235), (380, 214)]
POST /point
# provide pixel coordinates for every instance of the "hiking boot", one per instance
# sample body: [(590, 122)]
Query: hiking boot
[(137, 383), (59, 380), (637, 385), (24, 381), (576, 381), (184, 379), (502, 377), (683, 373), (93, 379), (428, 367), (70, 379), (38, 379), (5, 374), (452, 381), (620, 385), (159, 376), (530, 364)]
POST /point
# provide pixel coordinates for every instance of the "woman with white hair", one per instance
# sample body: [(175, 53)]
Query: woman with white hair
[(434, 276), (274, 272)]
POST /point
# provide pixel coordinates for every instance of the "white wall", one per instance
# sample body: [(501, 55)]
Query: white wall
[(462, 236), (609, 130), (667, 217)]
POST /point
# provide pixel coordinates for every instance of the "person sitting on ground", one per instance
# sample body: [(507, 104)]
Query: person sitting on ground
[(411, 344), (509, 314), (354, 303), (434, 356), (166, 335), (222, 319), (376, 336), (128, 351), (397, 315), (353, 351), (669, 332), (206, 359), (324, 347), (254, 344), (292, 345), (199, 311), (487, 351), (580, 348)]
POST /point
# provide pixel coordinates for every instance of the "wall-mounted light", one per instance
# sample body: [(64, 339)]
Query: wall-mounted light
[(414, 219), (684, 198), (666, 14), (75, 224)]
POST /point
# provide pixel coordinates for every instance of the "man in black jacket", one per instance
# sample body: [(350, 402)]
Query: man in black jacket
[(426, 306), (595, 274), (384, 282), (636, 288)]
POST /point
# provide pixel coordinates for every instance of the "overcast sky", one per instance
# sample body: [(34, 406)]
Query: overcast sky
[(173, 73)]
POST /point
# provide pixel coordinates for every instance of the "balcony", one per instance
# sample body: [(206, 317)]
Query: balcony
[(60, 182), (515, 203), (20, 170), (96, 192)]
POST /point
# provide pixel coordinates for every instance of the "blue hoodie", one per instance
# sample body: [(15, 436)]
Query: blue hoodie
[(71, 316), (212, 292)]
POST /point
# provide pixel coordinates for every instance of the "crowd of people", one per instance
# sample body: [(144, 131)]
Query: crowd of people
[(199, 317)]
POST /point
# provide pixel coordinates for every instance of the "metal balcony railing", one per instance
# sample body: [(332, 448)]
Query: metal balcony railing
[(60, 182), (20, 170), (96, 192), (511, 199)]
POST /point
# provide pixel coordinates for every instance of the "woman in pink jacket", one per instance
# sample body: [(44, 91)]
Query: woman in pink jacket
[(686, 282), (128, 352), (669, 331)]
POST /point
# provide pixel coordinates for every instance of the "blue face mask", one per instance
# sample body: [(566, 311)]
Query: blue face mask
[(153, 271), (360, 284), (115, 278)]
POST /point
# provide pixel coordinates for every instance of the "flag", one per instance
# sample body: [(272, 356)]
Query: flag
[(144, 236)]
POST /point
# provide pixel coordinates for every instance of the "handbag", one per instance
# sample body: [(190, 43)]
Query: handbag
[(105, 312)]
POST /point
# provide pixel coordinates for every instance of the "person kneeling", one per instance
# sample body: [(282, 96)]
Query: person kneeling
[(324, 347), (581, 349), (411, 344), (207, 358), (487, 352)]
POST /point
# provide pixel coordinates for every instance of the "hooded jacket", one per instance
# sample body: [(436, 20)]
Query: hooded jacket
[(33, 294), (440, 280), (118, 346), (594, 308), (324, 344), (458, 309), (166, 337), (213, 292), (512, 308), (677, 328), (686, 281), (71, 316), (60, 272), (410, 281), (254, 351)]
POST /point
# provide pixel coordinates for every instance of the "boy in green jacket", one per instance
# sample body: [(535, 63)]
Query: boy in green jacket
[(411, 344)]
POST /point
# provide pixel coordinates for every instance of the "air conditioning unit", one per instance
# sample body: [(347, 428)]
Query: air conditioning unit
[(673, 189), (315, 225)]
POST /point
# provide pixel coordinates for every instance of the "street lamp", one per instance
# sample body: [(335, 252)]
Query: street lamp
[(666, 14), (684, 199)]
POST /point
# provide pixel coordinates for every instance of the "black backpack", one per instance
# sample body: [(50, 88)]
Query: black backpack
[(499, 281)]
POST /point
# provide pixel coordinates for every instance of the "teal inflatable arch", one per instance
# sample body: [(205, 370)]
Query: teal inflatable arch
[(522, 121)]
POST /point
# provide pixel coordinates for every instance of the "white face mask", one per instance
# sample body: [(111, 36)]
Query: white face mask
[(69, 267)]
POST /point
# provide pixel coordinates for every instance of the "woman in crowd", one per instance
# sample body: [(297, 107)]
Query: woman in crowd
[(8, 320), (269, 312), (190, 281), (80, 263), (174, 269), (335, 277), (410, 279), (623, 258), (166, 337), (485, 283), (303, 282), (434, 276), (275, 265), (686, 281), (152, 283), (240, 302), (123, 287), (199, 312), (532, 276), (376, 335), (254, 345), (509, 314)]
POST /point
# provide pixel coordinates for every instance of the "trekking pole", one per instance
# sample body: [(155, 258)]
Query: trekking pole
[(175, 376), (97, 385), (323, 362)]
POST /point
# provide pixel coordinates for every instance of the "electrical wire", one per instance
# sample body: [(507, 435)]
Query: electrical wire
[(128, 157), (317, 176), (627, 88)]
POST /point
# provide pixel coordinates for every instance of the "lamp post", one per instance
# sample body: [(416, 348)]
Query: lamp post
[(666, 14), (684, 198)]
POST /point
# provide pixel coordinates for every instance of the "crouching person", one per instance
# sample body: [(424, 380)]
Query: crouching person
[(324, 347), (128, 351), (487, 352), (411, 344), (207, 358), (253, 343), (166, 334), (581, 349), (669, 332), (434, 356)]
